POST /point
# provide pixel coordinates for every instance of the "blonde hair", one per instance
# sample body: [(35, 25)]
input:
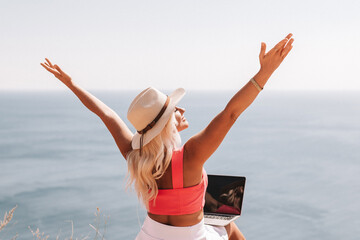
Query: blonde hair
[(151, 165)]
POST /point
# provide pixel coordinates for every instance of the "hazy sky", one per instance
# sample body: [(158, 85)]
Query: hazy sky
[(167, 44)]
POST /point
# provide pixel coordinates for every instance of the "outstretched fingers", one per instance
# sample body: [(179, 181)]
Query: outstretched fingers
[(48, 66), (58, 68), (283, 42), (287, 49), (288, 36), (49, 63), (280, 44), (262, 51)]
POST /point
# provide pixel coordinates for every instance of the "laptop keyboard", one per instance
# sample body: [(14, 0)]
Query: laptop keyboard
[(219, 217)]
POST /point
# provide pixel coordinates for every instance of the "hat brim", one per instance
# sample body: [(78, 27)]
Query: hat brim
[(175, 97)]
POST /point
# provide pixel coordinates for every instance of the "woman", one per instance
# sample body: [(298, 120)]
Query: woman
[(168, 178)]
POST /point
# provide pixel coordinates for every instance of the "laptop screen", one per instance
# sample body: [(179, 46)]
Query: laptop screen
[(224, 194)]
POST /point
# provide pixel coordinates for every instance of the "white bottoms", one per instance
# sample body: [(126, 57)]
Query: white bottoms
[(152, 230)]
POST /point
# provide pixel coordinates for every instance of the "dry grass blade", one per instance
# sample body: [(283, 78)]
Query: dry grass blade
[(105, 223), (39, 236), (7, 218), (97, 225), (72, 229), (14, 237), (97, 232)]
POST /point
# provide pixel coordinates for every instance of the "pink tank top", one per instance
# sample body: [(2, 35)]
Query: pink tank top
[(179, 200)]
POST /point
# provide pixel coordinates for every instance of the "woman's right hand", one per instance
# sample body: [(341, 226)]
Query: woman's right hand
[(58, 73), (270, 61)]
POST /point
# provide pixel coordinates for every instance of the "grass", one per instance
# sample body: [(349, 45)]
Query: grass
[(7, 218), (38, 235)]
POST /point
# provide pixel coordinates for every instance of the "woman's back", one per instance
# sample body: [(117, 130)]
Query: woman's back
[(152, 114), (192, 177)]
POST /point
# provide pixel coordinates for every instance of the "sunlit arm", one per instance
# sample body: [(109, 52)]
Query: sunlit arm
[(245, 96), (202, 145), (269, 62), (90, 101), (118, 129)]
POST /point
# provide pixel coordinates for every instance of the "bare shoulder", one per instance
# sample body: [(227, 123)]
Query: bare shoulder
[(192, 168), (202, 145), (191, 157)]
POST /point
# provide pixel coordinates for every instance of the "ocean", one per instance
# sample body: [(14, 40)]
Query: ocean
[(299, 151)]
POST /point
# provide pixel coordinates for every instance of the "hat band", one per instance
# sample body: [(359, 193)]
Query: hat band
[(152, 124)]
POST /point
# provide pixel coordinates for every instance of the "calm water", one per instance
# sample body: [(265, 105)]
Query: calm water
[(299, 151)]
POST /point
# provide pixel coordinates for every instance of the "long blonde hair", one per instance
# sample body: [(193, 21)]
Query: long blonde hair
[(155, 159)]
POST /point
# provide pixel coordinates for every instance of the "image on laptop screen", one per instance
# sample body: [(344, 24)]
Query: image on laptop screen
[(224, 195)]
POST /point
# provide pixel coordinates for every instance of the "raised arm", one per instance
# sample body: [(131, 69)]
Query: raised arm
[(202, 145), (118, 129)]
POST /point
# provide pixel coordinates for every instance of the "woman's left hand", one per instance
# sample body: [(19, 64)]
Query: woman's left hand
[(58, 73), (270, 61)]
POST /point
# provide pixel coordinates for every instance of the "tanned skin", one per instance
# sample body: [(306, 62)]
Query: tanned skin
[(201, 146)]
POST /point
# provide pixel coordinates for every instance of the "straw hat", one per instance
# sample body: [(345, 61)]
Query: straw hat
[(149, 113)]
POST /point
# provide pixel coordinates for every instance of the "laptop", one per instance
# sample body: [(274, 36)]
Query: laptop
[(223, 199)]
